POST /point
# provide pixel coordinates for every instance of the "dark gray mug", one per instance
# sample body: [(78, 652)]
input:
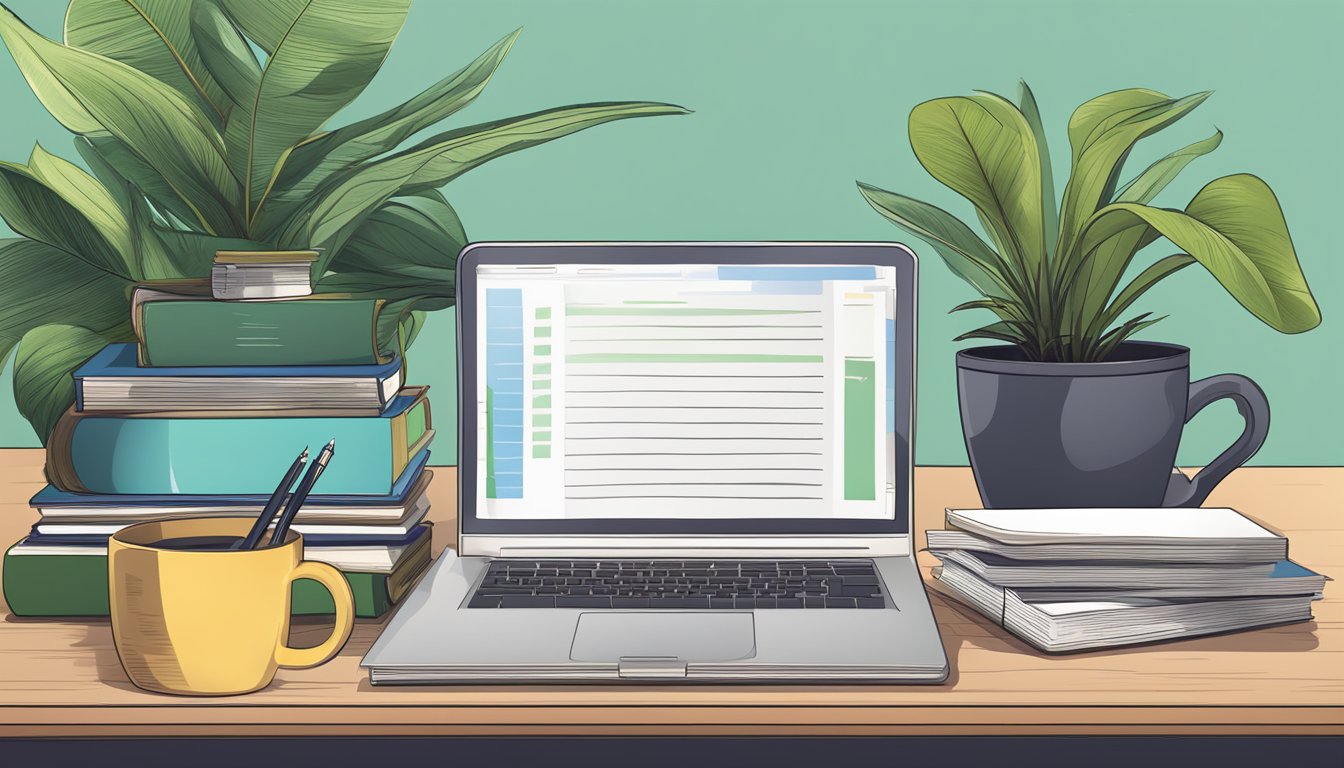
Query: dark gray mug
[(1095, 434)]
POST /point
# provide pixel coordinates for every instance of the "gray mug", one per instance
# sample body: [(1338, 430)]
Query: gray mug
[(1095, 434)]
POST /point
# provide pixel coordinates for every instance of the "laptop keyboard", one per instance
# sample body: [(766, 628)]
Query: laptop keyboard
[(697, 584)]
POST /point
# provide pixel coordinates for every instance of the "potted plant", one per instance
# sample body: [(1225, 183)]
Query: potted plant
[(203, 123), (1070, 410)]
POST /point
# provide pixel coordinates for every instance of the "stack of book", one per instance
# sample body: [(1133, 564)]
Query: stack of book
[(203, 416), (1074, 579)]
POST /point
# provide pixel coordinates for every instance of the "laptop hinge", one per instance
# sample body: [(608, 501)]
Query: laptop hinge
[(650, 667)]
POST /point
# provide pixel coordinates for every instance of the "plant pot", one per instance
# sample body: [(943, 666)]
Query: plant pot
[(1099, 434)]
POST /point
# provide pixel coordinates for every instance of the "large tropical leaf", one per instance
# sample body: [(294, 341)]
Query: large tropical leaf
[(321, 55), (43, 284), (89, 93), (969, 257), (339, 211), (1101, 133), (35, 210), (314, 161), (983, 149), (1235, 228), (43, 386), (154, 36)]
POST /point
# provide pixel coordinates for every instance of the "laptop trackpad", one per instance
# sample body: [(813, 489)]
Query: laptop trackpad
[(684, 636)]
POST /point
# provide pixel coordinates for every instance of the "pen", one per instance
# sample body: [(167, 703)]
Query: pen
[(273, 505), (301, 493)]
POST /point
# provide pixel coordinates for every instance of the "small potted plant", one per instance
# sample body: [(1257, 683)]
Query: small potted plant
[(1069, 410)]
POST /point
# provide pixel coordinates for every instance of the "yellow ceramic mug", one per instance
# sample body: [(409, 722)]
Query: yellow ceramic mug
[(212, 623)]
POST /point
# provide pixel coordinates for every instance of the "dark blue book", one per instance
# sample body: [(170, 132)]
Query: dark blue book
[(113, 381), (56, 505)]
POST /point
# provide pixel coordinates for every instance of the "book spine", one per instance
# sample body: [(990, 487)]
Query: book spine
[(76, 585), (194, 332), (110, 454)]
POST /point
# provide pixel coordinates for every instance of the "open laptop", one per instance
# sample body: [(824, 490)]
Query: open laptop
[(678, 461)]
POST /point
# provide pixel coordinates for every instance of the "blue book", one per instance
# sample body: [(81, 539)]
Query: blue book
[(113, 381), (241, 454), (54, 504)]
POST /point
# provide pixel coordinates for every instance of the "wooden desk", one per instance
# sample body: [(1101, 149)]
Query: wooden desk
[(62, 678)]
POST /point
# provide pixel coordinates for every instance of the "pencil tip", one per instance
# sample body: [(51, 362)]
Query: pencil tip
[(332, 444)]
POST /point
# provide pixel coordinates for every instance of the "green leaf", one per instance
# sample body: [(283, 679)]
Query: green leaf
[(315, 161), (322, 53), (1000, 331), (1137, 287), (961, 249), (35, 210), (1144, 187), (1006, 311), (436, 161), (417, 236), (1102, 132), (983, 149), (41, 284), (225, 53), (1113, 338), (43, 386), (154, 36), (121, 170), (89, 93), (85, 194), (1236, 230), (1027, 103)]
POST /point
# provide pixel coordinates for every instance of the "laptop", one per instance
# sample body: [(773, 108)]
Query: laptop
[(678, 462)]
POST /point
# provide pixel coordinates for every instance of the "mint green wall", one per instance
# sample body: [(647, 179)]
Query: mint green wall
[(795, 100)]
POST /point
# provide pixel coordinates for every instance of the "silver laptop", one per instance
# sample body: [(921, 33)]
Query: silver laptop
[(678, 461)]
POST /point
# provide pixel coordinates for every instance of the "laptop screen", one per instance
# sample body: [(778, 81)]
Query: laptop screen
[(685, 391)]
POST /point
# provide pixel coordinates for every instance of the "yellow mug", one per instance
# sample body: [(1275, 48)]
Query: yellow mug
[(212, 623)]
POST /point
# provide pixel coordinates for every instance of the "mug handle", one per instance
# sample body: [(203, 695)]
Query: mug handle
[(1254, 408), (344, 599)]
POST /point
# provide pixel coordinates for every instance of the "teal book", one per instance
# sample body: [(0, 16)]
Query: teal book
[(234, 453), (178, 324)]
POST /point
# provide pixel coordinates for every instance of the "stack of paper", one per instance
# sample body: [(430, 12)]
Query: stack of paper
[(1073, 579)]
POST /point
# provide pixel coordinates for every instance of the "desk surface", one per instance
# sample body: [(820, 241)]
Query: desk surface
[(62, 678)]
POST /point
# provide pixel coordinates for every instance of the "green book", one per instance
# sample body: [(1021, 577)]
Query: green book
[(51, 585), (179, 324)]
